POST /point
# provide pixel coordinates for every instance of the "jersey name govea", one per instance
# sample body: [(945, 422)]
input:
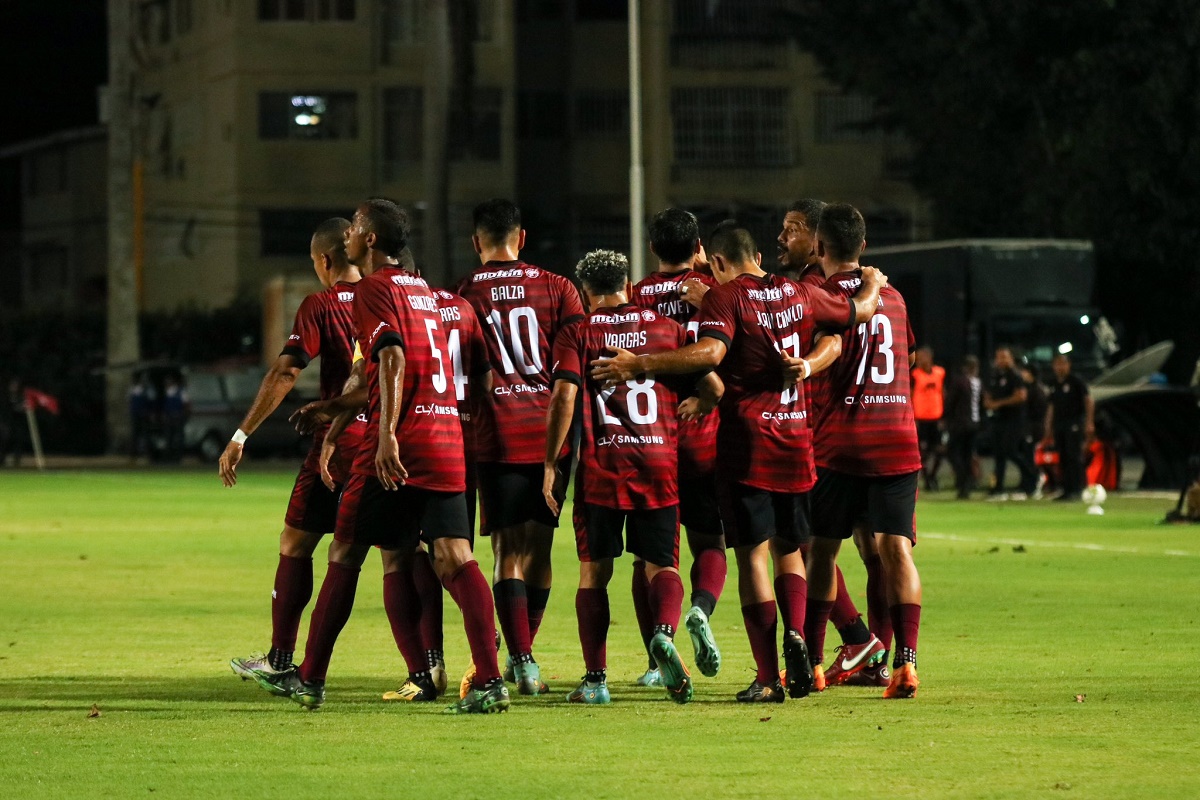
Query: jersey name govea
[(395, 308), (467, 354), (659, 292), (865, 422), (764, 440), (521, 309), (628, 455)]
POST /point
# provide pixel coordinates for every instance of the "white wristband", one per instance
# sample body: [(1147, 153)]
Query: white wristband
[(807, 369), (239, 437)]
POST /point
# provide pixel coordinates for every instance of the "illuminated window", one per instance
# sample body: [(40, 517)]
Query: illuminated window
[(288, 115)]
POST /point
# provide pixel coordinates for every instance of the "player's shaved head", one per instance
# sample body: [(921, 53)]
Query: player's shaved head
[(389, 222), (733, 242), (842, 231), (674, 234), (330, 238), (603, 271), (496, 220)]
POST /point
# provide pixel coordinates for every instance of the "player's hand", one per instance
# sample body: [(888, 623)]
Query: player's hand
[(795, 369), (388, 468), (693, 408), (549, 482), (617, 368), (693, 291), (328, 448), (309, 417), (872, 275), (228, 462)]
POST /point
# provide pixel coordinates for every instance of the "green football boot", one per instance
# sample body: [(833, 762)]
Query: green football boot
[(675, 676), (491, 699), (592, 694), (708, 655)]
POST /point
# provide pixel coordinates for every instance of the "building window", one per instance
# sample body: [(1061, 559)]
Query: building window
[(728, 34), (306, 10), (403, 128), (288, 231), (731, 127), (843, 118), (541, 115), (602, 113), (294, 115), (405, 23), (475, 131)]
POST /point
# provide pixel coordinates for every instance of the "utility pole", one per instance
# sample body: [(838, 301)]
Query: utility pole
[(122, 340), (637, 174), (438, 66)]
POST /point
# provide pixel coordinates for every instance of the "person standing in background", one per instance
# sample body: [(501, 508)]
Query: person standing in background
[(961, 419), (1035, 422), (1070, 424), (928, 383), (1005, 398)]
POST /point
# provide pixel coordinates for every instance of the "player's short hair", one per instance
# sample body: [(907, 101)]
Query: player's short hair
[(496, 219), (389, 222), (732, 241), (330, 237), (811, 208), (674, 234), (842, 230), (603, 271)]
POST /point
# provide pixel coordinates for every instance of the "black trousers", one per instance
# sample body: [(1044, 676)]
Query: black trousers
[(1008, 444), (1068, 441), (961, 451)]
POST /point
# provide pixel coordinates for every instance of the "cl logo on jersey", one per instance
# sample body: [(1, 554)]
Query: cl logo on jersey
[(503, 391), (607, 441), (849, 401)]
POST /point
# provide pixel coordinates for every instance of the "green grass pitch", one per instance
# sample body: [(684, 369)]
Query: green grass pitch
[(132, 590)]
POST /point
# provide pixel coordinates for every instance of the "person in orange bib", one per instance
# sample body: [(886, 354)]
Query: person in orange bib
[(928, 382)]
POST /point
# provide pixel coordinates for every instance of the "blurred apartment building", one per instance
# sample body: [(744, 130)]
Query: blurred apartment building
[(258, 119)]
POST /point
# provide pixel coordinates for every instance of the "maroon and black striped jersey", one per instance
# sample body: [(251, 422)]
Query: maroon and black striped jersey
[(628, 456), (395, 307), (468, 358), (864, 424), (764, 440), (521, 309), (324, 327), (659, 292)]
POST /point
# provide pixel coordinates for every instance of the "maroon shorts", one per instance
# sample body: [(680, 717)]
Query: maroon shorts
[(313, 507), (651, 534), (400, 519)]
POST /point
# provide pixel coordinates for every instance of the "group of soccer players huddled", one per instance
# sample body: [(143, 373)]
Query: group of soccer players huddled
[(766, 412)]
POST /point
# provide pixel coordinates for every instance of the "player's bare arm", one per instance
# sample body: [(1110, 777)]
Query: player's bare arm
[(709, 391), (558, 425), (388, 468), (278, 381), (701, 356), (315, 414), (826, 350), (866, 300)]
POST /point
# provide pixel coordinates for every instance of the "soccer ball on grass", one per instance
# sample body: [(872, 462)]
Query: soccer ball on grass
[(1094, 496)]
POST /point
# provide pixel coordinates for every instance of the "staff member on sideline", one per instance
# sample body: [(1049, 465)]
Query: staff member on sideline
[(1070, 424)]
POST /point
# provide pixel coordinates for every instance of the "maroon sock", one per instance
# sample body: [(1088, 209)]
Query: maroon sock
[(878, 616), (641, 606), (293, 589), (708, 579), (538, 598), (791, 592), (906, 619), (403, 607), (844, 611), (761, 629), (469, 589), (816, 620), (334, 604), (666, 596), (591, 608), (429, 589), (512, 606)]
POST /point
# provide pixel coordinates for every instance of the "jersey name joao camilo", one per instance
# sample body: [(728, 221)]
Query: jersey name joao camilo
[(521, 308)]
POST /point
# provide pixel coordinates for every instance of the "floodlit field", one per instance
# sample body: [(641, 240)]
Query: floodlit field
[(1058, 658)]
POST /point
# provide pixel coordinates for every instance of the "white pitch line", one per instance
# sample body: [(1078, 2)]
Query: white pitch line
[(1090, 546)]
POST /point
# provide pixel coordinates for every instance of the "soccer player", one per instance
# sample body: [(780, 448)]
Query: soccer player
[(866, 450), (1070, 424), (628, 464), (797, 241), (521, 308), (928, 383), (675, 241), (764, 449), (408, 480), (324, 327)]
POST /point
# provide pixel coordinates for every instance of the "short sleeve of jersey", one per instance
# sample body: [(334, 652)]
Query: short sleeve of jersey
[(570, 307), (568, 364), (827, 309), (375, 314), (304, 344), (718, 316)]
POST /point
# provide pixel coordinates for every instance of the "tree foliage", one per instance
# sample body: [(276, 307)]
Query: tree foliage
[(1074, 118)]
